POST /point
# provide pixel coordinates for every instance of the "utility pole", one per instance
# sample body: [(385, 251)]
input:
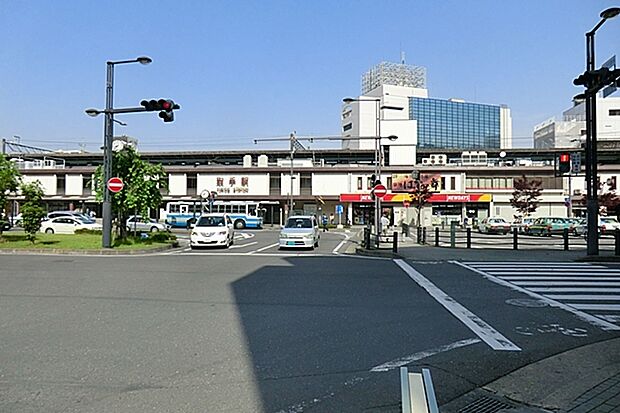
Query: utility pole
[(290, 201)]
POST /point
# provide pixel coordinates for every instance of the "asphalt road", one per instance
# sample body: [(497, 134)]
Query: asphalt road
[(260, 330)]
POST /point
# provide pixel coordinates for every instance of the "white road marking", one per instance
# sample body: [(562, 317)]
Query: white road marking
[(483, 330), (570, 283), (243, 245), (598, 297), (391, 365), (604, 324), (599, 307), (567, 273), (244, 235), (558, 278), (574, 290), (264, 248), (346, 238)]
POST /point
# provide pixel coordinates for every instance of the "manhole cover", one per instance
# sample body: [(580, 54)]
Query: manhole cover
[(485, 405), (526, 302)]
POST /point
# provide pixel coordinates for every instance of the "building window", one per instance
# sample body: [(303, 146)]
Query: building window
[(359, 183), (388, 182), (192, 184), (453, 183), (347, 127), (369, 183), (614, 112), (443, 183), (274, 184), (87, 185), (60, 184)]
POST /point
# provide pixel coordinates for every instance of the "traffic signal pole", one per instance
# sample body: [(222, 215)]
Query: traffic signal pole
[(106, 239), (591, 158)]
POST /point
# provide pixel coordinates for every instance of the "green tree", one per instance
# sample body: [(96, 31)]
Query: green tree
[(419, 197), (32, 211), (141, 191), (10, 178), (525, 195)]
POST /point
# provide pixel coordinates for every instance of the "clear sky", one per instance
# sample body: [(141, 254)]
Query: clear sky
[(242, 70)]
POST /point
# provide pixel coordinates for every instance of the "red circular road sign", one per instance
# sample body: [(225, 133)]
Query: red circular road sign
[(379, 190), (115, 184)]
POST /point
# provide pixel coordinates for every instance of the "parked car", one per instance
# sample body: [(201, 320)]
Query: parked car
[(74, 214), (67, 225), (212, 230), (547, 226), (300, 231), (580, 226), (608, 225), (523, 225), (494, 225), (5, 222), (142, 224)]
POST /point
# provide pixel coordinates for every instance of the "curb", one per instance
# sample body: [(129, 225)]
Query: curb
[(52, 251), (377, 253)]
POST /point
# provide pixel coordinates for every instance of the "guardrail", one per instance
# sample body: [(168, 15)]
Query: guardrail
[(468, 238), (417, 392)]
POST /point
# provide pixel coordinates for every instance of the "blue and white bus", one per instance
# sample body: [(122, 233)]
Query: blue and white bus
[(244, 214)]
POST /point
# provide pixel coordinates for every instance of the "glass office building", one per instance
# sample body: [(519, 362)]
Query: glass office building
[(455, 124)]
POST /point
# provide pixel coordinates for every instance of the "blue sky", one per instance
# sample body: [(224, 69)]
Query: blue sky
[(242, 70)]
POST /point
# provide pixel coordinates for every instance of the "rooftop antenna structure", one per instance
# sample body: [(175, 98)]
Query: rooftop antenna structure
[(402, 57), (396, 74)]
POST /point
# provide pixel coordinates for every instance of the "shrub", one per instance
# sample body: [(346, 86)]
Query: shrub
[(88, 231)]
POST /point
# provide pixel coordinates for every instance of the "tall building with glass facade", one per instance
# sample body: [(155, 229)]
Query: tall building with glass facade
[(456, 124)]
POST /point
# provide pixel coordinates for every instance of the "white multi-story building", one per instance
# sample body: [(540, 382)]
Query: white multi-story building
[(395, 102), (570, 132)]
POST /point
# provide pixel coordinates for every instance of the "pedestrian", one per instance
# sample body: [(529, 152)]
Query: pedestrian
[(331, 219), (324, 219), (385, 223)]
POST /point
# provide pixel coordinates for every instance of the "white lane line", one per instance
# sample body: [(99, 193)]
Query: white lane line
[(604, 324), (245, 254), (568, 273), (574, 290), (580, 297), (538, 267), (264, 248), (536, 263), (483, 330), (232, 247), (391, 365), (335, 250), (245, 235)]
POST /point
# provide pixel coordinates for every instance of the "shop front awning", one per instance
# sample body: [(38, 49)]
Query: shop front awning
[(435, 198)]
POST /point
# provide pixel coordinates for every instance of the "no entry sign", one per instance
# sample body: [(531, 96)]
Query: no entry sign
[(379, 191), (115, 184)]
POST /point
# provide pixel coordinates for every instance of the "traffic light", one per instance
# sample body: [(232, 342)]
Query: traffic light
[(165, 106), (564, 165), (595, 80)]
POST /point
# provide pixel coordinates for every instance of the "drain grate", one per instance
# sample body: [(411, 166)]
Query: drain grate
[(485, 405)]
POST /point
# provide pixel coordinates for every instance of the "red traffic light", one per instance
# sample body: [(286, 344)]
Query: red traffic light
[(564, 157)]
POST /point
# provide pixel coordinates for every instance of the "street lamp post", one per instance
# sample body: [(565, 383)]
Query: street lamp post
[(591, 144), (108, 137)]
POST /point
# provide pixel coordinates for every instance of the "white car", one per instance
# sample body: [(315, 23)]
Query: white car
[(608, 225), (496, 225), (300, 231), (212, 230), (67, 225), (143, 224)]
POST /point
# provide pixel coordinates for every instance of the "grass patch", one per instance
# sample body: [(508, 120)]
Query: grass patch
[(17, 240)]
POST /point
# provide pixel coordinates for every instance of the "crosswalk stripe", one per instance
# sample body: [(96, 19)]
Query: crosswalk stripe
[(560, 278), (574, 290), (600, 297), (569, 283), (552, 269), (599, 307), (524, 287)]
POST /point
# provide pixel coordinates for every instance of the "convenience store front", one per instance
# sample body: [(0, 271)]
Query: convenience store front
[(440, 209)]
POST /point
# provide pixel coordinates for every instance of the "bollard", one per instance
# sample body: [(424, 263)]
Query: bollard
[(565, 235), (617, 236), (468, 237), (419, 235), (515, 239), (452, 234), (395, 242), (423, 235), (436, 236), (366, 238)]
